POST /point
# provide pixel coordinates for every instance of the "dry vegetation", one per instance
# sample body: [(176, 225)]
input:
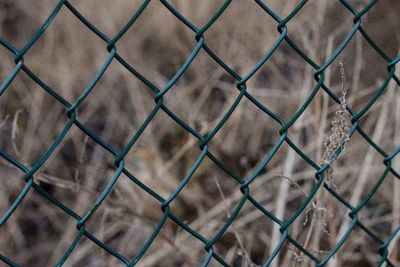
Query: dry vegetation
[(67, 57)]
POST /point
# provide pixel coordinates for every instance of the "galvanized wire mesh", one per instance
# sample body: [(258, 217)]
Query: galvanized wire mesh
[(110, 43)]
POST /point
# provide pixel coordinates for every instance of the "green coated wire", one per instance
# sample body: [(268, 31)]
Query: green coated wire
[(243, 184)]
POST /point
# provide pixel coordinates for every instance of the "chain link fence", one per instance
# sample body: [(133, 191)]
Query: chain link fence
[(321, 169)]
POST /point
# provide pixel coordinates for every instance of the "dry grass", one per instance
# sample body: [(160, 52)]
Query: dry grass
[(68, 55)]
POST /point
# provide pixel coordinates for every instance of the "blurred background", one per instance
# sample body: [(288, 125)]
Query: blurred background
[(67, 57)]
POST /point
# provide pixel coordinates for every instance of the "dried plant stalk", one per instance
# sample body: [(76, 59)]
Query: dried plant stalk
[(338, 135)]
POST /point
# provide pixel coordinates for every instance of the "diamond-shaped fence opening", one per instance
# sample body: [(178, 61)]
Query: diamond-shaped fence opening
[(278, 146)]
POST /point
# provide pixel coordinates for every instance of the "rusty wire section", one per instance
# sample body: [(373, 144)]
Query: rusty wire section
[(321, 170)]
